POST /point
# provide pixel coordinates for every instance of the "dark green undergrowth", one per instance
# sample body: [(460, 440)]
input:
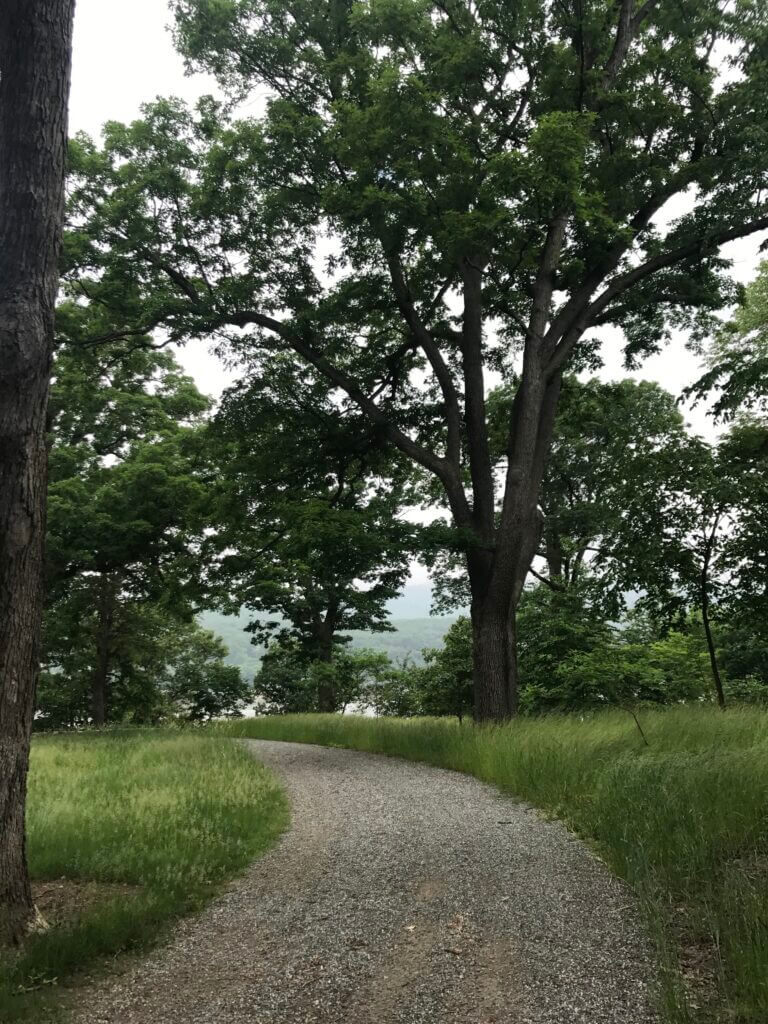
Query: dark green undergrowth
[(166, 817), (684, 820)]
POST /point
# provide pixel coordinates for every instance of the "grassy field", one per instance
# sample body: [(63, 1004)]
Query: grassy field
[(684, 820), (143, 827)]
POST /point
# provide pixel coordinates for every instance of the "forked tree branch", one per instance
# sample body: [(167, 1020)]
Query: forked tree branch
[(444, 470), (626, 31), (432, 351), (702, 245)]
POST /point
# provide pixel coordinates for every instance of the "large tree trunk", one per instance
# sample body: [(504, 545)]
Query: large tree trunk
[(497, 577), (493, 673), (326, 691), (494, 648), (494, 642), (35, 45)]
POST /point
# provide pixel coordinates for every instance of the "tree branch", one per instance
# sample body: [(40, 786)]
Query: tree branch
[(480, 465), (442, 468), (625, 33), (581, 296), (547, 581), (545, 279), (432, 351), (701, 246)]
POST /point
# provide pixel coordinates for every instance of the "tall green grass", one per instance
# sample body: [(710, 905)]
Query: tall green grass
[(169, 815), (684, 820)]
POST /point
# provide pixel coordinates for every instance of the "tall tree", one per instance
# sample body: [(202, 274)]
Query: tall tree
[(491, 178), (308, 521), (35, 59), (126, 499), (619, 450), (715, 537)]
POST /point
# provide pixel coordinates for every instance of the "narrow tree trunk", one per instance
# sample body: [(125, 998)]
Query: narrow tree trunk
[(713, 655), (704, 591), (100, 676), (554, 553), (327, 698), (35, 42)]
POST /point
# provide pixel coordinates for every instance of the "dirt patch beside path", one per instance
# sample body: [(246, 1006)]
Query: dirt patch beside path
[(65, 899)]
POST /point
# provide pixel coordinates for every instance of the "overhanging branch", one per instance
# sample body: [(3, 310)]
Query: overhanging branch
[(303, 346), (432, 351), (702, 245)]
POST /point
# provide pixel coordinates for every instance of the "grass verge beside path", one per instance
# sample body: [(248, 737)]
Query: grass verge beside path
[(161, 819), (684, 820)]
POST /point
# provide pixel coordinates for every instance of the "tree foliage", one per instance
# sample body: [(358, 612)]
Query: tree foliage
[(126, 505), (430, 189), (291, 683), (308, 514), (161, 668), (738, 355)]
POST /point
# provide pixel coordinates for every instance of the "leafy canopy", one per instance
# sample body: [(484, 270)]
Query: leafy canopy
[(402, 145), (307, 512)]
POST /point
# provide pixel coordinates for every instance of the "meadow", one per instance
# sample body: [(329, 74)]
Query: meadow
[(135, 828), (682, 819), (143, 826)]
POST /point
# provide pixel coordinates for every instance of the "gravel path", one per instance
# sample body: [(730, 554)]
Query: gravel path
[(402, 894)]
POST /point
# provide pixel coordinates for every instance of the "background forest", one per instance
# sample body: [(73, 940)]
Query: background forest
[(203, 561)]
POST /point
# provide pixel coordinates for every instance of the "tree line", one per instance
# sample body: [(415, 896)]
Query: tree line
[(648, 583)]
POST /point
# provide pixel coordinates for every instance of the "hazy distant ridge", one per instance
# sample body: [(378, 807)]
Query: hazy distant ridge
[(410, 637)]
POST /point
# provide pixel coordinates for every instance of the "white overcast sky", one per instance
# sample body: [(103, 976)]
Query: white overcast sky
[(124, 56)]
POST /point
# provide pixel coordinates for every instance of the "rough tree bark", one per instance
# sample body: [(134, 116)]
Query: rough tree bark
[(35, 58)]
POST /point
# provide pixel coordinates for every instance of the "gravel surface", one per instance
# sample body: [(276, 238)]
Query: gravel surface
[(402, 894)]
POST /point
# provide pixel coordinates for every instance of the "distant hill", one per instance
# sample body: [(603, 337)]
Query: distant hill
[(411, 635)]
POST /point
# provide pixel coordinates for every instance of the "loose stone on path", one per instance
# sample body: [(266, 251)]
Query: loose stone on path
[(402, 894)]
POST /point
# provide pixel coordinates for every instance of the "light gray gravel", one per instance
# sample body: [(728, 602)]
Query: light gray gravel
[(402, 894)]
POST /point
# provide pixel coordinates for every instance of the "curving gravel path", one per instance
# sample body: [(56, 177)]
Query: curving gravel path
[(402, 894)]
